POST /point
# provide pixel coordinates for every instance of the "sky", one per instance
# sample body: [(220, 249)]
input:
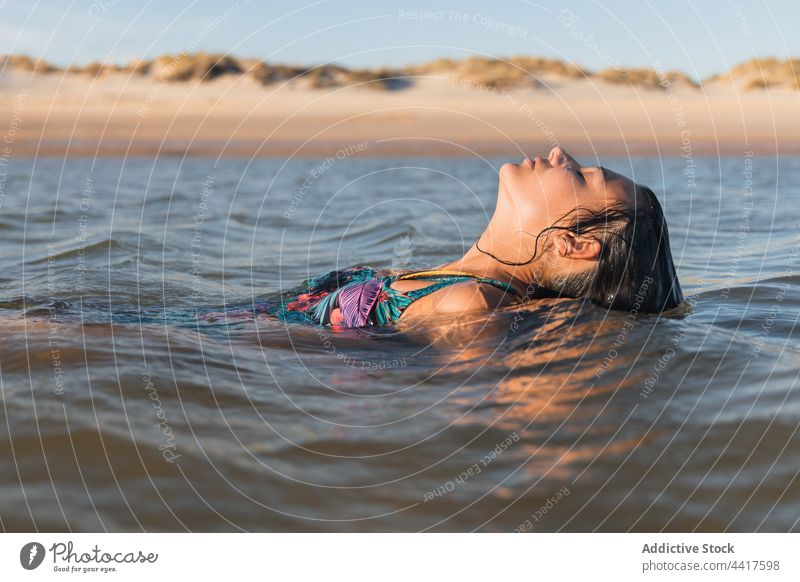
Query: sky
[(700, 37)]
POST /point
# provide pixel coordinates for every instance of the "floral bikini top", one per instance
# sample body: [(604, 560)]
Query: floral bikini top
[(359, 297)]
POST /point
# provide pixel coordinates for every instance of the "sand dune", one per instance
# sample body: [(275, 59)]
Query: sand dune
[(210, 105)]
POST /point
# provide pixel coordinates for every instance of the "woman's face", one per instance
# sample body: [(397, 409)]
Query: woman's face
[(541, 191)]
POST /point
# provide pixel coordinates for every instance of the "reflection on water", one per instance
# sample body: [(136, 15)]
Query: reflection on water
[(126, 412)]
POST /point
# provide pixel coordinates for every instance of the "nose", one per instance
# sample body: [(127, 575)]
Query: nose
[(556, 153)]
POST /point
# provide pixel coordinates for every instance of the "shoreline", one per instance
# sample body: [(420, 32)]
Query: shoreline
[(67, 117), (376, 149)]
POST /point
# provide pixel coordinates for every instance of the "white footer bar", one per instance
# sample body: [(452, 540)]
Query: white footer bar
[(401, 557)]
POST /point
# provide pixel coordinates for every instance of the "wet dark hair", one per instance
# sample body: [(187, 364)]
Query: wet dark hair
[(634, 270)]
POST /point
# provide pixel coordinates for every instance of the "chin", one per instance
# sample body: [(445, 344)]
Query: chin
[(506, 170)]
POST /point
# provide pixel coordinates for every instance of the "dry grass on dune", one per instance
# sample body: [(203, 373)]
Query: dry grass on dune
[(512, 72), (645, 78), (98, 69), (138, 67), (765, 73), (319, 77), (93, 69), (199, 66), (541, 66), (498, 73), (27, 64)]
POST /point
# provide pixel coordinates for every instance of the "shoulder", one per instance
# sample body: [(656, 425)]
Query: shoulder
[(470, 296)]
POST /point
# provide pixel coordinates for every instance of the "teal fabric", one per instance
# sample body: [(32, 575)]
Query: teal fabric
[(337, 289)]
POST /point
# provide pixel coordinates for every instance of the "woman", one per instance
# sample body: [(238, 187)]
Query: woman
[(559, 228)]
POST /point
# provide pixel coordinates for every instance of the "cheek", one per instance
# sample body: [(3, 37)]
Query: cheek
[(560, 195)]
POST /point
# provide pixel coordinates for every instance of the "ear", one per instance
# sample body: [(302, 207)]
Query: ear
[(573, 246)]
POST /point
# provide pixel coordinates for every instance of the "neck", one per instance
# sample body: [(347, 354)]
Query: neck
[(511, 244), (479, 263)]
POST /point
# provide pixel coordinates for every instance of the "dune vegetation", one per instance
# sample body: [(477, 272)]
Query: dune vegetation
[(496, 73), (645, 78), (764, 73)]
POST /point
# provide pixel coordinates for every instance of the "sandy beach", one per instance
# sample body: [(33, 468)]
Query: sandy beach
[(442, 113)]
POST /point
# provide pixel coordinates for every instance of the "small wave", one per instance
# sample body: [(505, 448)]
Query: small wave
[(76, 248), (20, 302)]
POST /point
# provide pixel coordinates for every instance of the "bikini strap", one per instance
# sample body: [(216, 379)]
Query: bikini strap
[(434, 273), (450, 278)]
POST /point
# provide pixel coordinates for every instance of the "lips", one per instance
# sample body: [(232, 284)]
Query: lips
[(530, 162)]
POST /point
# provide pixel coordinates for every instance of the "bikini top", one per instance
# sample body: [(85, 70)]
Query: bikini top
[(366, 299)]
